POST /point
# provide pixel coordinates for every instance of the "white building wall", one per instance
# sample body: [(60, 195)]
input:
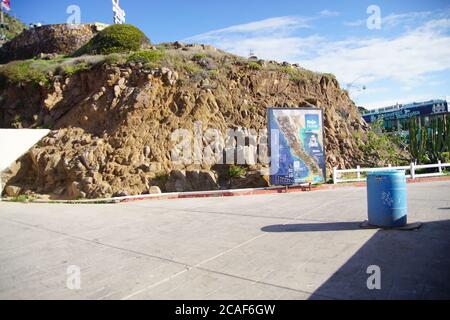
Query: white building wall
[(14, 143)]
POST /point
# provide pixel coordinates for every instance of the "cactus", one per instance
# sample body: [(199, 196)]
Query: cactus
[(430, 142), (447, 132), (436, 140), (417, 140)]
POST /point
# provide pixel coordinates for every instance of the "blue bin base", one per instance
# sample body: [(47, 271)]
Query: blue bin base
[(387, 222), (407, 227)]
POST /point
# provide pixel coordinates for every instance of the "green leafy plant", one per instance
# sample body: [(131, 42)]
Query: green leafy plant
[(300, 74), (380, 146), (254, 65), (192, 68), (146, 56), (21, 198), (15, 26), (71, 69), (199, 56), (118, 38), (236, 172), (214, 74), (26, 71), (114, 58)]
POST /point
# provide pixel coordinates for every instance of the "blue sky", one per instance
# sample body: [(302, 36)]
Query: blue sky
[(406, 59)]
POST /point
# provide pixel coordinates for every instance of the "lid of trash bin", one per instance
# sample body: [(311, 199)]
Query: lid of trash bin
[(387, 173)]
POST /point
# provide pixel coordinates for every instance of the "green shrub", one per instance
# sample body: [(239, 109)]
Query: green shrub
[(294, 73), (299, 74), (174, 61), (118, 38), (114, 58), (445, 157), (199, 56), (254, 65), (214, 74), (192, 68), (71, 69), (382, 146), (236, 172), (14, 26), (21, 198), (329, 76), (26, 71), (145, 57)]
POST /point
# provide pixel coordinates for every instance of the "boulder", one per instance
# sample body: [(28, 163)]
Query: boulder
[(12, 191), (154, 190), (73, 191), (208, 63), (185, 181), (121, 194), (251, 180), (177, 182)]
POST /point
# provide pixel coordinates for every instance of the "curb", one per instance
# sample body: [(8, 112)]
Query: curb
[(229, 193)]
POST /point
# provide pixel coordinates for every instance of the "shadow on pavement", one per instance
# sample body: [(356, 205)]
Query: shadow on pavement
[(414, 264), (313, 227)]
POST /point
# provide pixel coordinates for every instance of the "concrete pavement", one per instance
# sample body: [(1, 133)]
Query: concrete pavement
[(280, 246)]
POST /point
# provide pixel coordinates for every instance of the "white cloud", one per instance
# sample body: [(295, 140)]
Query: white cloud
[(268, 39), (356, 23), (406, 58), (328, 13), (278, 25), (393, 20), (409, 18)]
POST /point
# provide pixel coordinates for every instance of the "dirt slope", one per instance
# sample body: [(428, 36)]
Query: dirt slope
[(112, 123)]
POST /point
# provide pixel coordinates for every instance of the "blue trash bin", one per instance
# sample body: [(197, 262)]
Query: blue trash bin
[(387, 198)]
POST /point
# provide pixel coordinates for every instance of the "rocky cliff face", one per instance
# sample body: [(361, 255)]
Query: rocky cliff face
[(112, 125), (48, 39)]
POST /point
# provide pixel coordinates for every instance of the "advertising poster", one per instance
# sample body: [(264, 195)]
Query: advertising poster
[(297, 146)]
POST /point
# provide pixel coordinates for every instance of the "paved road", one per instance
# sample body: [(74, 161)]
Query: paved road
[(285, 246)]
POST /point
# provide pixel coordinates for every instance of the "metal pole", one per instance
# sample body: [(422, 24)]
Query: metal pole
[(335, 175), (413, 171)]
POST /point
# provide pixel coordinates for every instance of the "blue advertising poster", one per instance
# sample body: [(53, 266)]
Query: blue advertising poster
[(297, 146)]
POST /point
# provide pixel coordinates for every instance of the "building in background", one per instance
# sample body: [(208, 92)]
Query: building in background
[(397, 118)]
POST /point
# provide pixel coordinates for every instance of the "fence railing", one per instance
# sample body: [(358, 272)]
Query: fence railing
[(411, 169)]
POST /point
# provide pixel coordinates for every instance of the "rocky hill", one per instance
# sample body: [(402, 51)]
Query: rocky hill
[(112, 117), (48, 39)]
